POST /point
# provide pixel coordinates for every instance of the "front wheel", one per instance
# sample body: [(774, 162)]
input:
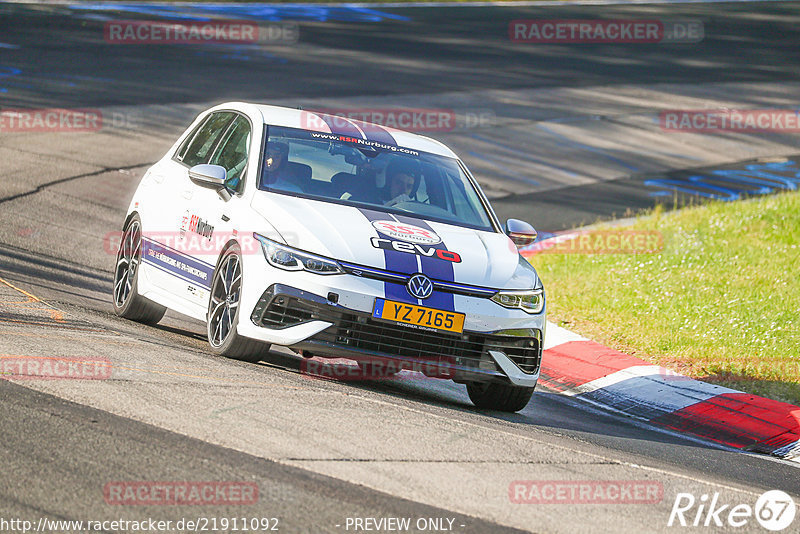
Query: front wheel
[(223, 311), (502, 397), (127, 301)]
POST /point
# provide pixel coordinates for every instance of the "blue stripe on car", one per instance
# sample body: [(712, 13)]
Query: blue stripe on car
[(177, 264), (354, 128), (434, 268), (340, 125), (400, 262), (376, 133)]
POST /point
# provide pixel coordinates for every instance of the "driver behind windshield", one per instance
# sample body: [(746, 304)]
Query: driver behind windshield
[(402, 177)]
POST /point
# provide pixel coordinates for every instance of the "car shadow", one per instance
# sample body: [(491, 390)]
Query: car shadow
[(547, 409)]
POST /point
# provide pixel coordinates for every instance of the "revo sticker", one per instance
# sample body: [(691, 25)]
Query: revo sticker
[(414, 248), (407, 232)]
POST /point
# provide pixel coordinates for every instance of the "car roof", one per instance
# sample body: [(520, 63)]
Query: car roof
[(321, 122)]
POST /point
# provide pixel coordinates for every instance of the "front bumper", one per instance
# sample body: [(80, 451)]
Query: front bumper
[(319, 326)]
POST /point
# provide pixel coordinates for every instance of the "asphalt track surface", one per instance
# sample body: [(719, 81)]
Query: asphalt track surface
[(320, 451)]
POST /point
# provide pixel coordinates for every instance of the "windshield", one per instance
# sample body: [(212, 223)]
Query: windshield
[(342, 169)]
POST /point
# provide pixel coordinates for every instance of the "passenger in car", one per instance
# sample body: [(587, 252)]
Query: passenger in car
[(277, 171)]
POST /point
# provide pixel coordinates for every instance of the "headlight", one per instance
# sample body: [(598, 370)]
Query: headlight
[(291, 259), (528, 301)]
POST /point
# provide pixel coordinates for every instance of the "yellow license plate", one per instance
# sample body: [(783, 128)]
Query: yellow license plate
[(420, 316)]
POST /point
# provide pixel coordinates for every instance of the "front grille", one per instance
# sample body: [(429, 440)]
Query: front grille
[(526, 353), (387, 338), (360, 331), (283, 312)]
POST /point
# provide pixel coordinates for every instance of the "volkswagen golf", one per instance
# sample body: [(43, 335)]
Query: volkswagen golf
[(338, 239)]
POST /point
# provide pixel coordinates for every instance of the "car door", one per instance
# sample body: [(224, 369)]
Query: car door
[(210, 219), (167, 249)]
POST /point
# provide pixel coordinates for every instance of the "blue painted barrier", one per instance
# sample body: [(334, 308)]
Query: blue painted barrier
[(265, 12), (754, 179)]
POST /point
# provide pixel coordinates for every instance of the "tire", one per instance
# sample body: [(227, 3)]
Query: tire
[(125, 293), (502, 397), (223, 311)]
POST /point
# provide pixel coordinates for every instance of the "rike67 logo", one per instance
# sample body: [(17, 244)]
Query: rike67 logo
[(774, 510)]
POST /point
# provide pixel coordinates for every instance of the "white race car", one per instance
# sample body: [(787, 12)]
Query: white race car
[(336, 238)]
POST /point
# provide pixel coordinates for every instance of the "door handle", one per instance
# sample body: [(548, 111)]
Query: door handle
[(187, 194)]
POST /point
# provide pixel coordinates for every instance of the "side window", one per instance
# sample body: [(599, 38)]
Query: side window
[(181, 152), (462, 203), (206, 139), (232, 152)]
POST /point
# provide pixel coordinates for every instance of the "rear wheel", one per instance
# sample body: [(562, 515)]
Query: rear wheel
[(223, 311), (127, 301), (502, 397)]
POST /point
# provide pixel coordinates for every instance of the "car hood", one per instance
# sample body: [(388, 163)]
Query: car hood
[(349, 234)]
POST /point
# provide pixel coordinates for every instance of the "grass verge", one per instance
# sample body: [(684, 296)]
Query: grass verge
[(720, 302)]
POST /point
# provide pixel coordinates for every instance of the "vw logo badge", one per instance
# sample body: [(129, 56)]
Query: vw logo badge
[(420, 286)]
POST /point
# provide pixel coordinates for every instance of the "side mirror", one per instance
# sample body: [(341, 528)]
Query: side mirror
[(211, 176), (520, 232), (206, 175)]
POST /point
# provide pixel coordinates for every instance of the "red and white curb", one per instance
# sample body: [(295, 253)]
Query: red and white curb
[(591, 372)]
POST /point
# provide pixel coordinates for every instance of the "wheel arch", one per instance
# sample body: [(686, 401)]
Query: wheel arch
[(228, 245), (130, 216)]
